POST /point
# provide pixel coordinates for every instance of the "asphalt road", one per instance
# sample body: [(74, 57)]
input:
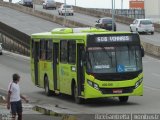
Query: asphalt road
[(149, 103), (24, 22)]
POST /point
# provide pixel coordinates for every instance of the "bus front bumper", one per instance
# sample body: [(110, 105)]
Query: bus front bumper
[(91, 92)]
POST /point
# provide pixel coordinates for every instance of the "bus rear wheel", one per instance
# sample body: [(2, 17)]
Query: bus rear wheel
[(48, 92), (77, 99), (123, 99)]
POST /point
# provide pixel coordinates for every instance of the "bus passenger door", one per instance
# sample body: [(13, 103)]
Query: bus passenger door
[(55, 65), (36, 60), (80, 69)]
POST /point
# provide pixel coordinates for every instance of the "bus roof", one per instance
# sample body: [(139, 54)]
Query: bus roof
[(75, 31)]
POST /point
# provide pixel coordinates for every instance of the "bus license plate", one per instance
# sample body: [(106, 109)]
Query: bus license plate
[(117, 91)]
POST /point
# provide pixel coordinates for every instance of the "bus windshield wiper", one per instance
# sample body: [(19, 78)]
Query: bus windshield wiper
[(110, 56)]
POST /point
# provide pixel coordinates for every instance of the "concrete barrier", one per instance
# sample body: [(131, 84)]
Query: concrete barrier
[(16, 35), (151, 49), (2, 99), (39, 2)]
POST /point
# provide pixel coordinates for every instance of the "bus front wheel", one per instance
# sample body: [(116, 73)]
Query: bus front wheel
[(77, 99), (123, 99), (48, 92)]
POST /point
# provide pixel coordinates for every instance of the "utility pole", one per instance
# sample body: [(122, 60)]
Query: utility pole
[(33, 2), (121, 4), (75, 2), (121, 7), (113, 12), (65, 12)]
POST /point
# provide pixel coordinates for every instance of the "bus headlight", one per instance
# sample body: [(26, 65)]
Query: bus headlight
[(92, 84), (96, 86), (138, 83)]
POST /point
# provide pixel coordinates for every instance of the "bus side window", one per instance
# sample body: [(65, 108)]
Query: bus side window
[(42, 49), (49, 50), (72, 52), (63, 51), (33, 48)]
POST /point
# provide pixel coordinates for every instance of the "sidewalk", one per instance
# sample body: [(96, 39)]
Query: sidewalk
[(28, 113), (42, 112)]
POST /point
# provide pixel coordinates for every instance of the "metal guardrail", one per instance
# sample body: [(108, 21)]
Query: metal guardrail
[(14, 34), (14, 40), (12, 46), (131, 13)]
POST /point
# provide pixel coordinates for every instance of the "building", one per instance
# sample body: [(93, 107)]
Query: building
[(136, 4), (152, 9)]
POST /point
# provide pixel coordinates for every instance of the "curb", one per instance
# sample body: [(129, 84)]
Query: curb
[(46, 111), (41, 109), (2, 99), (16, 55)]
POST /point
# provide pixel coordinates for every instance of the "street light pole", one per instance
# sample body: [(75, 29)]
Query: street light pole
[(65, 11), (33, 4), (75, 2), (121, 4), (113, 10)]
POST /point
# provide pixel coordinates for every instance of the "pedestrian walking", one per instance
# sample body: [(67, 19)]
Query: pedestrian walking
[(14, 98)]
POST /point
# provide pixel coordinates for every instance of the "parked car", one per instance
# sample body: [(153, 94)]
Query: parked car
[(142, 26), (49, 4), (68, 9), (105, 23), (27, 3), (1, 49)]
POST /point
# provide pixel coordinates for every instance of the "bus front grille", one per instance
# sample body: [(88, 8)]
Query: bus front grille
[(119, 90)]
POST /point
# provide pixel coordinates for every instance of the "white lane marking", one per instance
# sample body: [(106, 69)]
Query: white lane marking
[(151, 58), (2, 89), (156, 74), (151, 88), (14, 55)]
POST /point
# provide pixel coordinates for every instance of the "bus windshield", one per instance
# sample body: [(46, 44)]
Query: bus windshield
[(114, 59)]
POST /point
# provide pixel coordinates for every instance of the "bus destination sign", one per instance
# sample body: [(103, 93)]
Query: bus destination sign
[(113, 39)]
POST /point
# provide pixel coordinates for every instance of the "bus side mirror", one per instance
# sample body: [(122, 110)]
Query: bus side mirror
[(142, 51)]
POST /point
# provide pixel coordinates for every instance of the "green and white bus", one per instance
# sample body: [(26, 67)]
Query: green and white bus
[(88, 63)]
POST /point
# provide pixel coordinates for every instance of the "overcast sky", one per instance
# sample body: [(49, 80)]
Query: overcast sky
[(97, 3), (94, 3)]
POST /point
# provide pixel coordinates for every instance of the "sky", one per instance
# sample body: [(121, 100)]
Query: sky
[(98, 3), (94, 3)]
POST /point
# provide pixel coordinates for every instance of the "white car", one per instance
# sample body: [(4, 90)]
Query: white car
[(0, 48), (142, 26), (68, 9)]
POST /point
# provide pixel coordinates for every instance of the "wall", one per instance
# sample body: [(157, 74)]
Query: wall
[(152, 8)]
